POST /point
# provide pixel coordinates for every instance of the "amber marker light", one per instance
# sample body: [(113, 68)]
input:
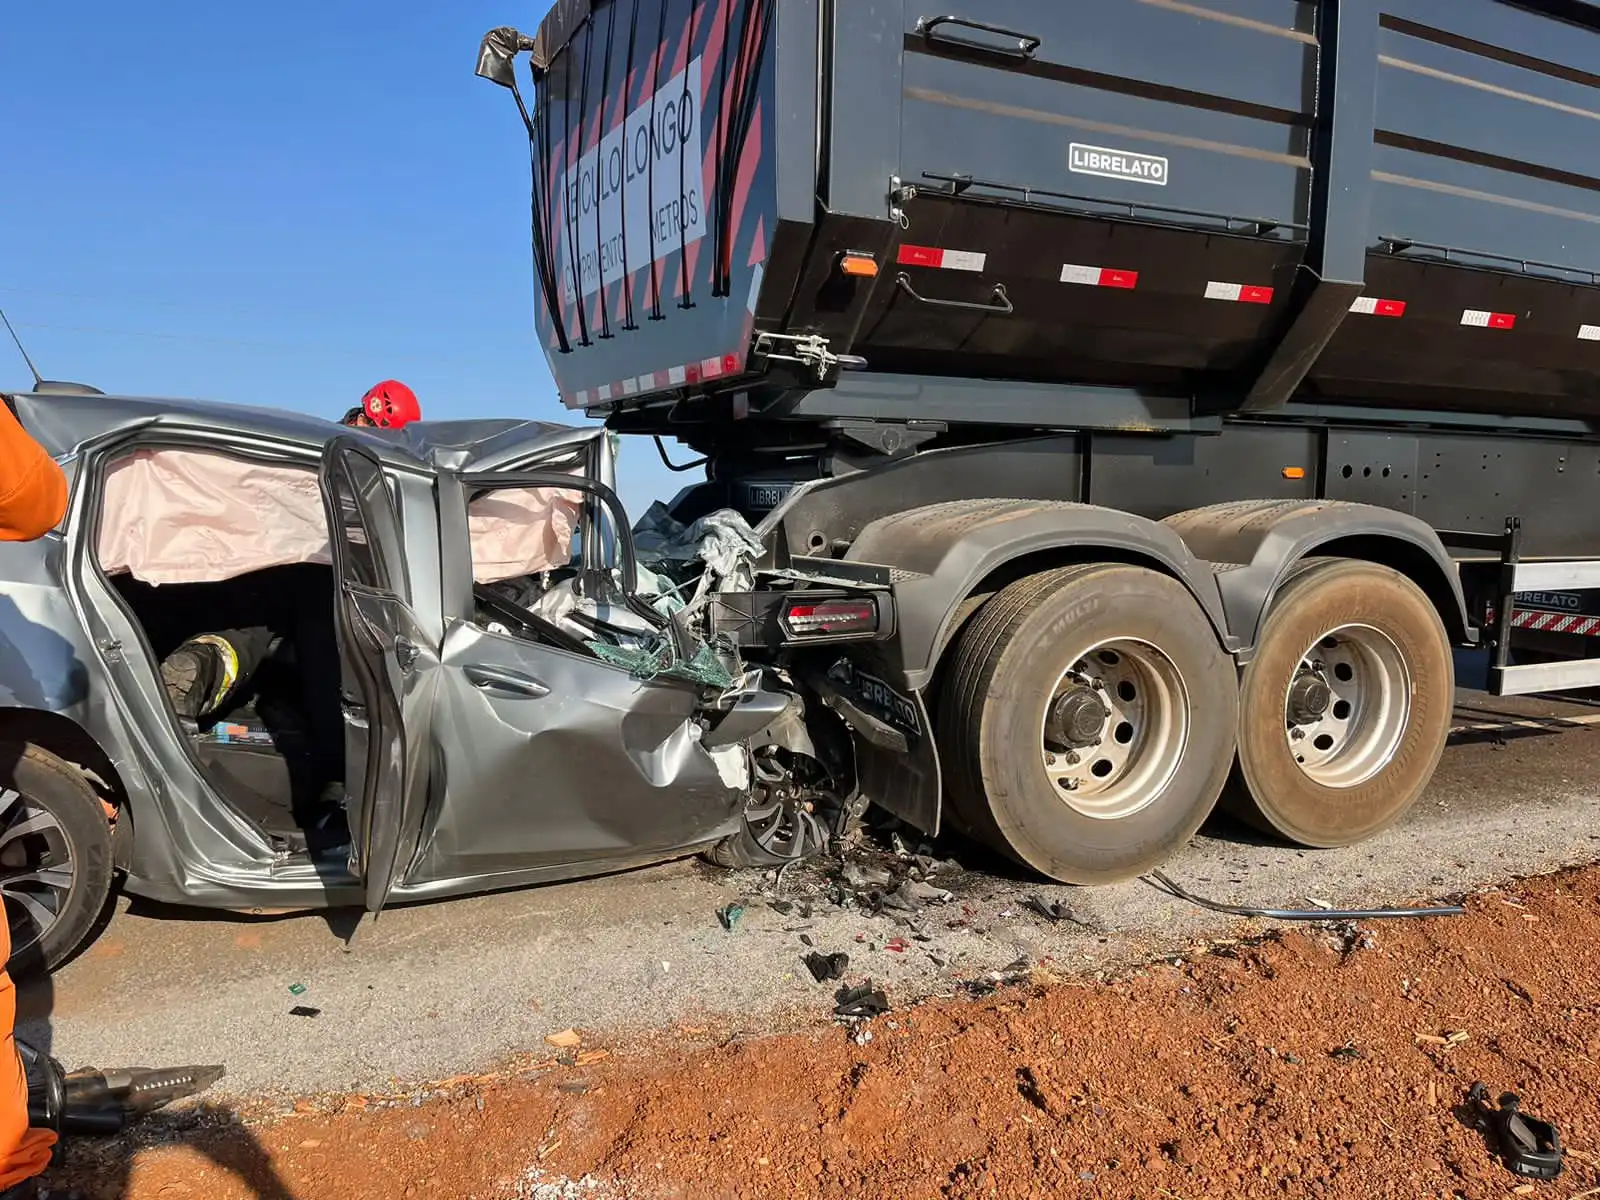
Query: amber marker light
[(859, 266)]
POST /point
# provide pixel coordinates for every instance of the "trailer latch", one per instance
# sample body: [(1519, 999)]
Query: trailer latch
[(809, 350)]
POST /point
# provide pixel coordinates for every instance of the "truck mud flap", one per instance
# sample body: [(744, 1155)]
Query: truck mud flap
[(897, 763)]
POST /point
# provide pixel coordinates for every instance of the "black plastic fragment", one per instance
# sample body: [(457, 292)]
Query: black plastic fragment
[(304, 1010), (1528, 1146), (863, 1001), (1054, 911), (824, 967)]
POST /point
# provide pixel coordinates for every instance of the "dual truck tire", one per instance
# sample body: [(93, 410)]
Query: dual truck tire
[(1089, 718)]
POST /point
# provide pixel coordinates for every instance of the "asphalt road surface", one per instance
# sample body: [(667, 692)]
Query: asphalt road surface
[(430, 991)]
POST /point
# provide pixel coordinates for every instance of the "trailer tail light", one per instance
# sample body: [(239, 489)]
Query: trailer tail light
[(858, 265), (830, 618)]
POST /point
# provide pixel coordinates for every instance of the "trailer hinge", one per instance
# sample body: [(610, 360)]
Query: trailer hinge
[(809, 350)]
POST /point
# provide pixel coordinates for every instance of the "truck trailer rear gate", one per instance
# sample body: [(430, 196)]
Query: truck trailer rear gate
[(1202, 372)]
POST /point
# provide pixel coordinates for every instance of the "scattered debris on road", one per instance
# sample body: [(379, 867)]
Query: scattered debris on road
[(728, 915), (1257, 1066)]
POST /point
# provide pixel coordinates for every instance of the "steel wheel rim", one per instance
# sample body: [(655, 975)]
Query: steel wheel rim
[(781, 823), (37, 870), (1368, 706), (1141, 740)]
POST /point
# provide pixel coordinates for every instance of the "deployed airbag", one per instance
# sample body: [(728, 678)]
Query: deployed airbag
[(186, 516), (521, 531), (191, 516)]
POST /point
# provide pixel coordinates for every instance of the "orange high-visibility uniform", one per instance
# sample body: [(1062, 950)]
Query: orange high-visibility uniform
[(33, 499)]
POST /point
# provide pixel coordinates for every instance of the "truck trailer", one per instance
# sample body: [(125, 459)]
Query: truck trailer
[(1185, 380)]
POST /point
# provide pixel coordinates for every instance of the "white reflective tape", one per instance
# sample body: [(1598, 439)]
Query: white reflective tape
[(676, 376), (647, 382), (1476, 317), (1071, 273), (580, 399), (1365, 304), (963, 260), (630, 386), (1223, 291), (710, 368), (1589, 333), (756, 277)]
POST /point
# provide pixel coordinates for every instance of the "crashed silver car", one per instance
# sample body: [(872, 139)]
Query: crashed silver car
[(472, 678)]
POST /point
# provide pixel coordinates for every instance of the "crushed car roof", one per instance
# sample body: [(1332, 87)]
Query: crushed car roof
[(63, 422)]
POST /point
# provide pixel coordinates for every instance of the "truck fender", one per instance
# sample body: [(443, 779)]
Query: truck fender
[(944, 553), (1258, 543)]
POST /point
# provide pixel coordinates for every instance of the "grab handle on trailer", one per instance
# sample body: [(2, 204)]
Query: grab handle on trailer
[(1027, 44), (999, 303)]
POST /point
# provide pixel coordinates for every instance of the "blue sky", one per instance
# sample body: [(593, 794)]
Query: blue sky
[(274, 204)]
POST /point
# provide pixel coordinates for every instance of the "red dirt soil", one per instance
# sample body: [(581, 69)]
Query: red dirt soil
[(1296, 1066)]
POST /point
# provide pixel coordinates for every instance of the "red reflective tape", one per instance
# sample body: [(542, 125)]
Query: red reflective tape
[(1549, 622), (1099, 276), (1373, 307), (920, 256), (949, 260), (1240, 292)]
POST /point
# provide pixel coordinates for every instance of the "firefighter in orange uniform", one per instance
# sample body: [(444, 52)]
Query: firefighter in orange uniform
[(33, 499)]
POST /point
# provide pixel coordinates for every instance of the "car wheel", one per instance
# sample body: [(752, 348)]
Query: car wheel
[(1346, 706), (56, 864), (1087, 721), (779, 826)]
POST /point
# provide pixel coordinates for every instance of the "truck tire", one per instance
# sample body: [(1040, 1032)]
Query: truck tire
[(55, 857), (1087, 721), (1344, 710)]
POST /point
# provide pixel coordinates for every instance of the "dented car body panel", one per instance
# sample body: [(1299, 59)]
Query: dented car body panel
[(529, 762)]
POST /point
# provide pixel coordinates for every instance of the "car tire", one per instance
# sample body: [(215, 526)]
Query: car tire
[(771, 834), (1127, 638), (51, 819), (1357, 767)]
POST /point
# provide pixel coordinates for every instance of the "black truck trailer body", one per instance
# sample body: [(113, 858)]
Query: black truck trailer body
[(1197, 372), (1248, 202)]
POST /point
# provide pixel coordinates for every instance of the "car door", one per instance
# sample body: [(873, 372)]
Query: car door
[(386, 664), (553, 757)]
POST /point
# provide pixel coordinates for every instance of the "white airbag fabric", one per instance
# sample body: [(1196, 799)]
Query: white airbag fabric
[(522, 531), (185, 516)]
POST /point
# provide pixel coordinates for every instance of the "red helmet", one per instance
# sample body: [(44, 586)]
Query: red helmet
[(391, 404)]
